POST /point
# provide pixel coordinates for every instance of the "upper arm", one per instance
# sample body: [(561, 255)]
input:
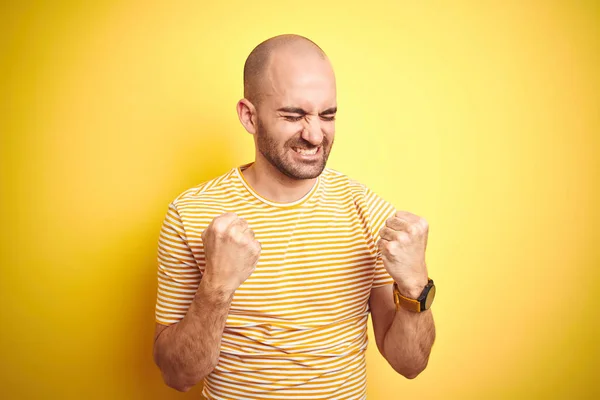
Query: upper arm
[(379, 211), (178, 272), (381, 300), (383, 310)]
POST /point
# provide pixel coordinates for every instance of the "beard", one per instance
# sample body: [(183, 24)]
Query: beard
[(282, 158)]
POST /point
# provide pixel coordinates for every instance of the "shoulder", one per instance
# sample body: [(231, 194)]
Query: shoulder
[(336, 179), (208, 192), (363, 196)]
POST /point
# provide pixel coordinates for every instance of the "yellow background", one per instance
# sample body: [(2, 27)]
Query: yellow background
[(482, 117)]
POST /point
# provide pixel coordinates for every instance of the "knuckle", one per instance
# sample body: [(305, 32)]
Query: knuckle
[(404, 238), (218, 224), (413, 229), (219, 231), (223, 220), (394, 251), (239, 238), (220, 217)]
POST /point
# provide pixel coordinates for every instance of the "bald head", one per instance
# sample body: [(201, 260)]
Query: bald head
[(289, 106), (260, 60)]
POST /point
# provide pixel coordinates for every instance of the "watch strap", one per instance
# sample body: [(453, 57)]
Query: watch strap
[(405, 302)]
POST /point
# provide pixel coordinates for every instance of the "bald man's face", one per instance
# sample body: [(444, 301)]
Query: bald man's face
[(296, 117)]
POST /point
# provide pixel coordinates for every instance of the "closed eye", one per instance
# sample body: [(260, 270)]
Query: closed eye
[(292, 118), (329, 114)]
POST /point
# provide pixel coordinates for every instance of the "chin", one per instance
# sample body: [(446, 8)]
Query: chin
[(305, 172), (294, 169)]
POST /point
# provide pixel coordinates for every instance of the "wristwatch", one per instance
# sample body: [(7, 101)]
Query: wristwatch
[(422, 303)]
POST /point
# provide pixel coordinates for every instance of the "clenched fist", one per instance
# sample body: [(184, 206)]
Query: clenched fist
[(402, 245), (231, 251)]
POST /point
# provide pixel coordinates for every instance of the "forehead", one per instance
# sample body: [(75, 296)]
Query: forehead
[(305, 81)]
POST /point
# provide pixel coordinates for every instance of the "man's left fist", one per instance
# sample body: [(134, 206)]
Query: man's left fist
[(402, 245)]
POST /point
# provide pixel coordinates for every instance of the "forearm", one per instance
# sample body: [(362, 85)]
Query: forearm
[(189, 350), (408, 341)]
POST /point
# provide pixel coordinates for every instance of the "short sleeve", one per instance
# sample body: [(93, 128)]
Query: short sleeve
[(178, 272), (379, 210)]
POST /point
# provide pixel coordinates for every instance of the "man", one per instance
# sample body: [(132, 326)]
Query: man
[(267, 273)]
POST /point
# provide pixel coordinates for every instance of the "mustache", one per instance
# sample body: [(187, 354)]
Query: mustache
[(303, 144)]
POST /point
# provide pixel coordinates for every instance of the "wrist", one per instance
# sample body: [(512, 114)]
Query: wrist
[(214, 291), (412, 289)]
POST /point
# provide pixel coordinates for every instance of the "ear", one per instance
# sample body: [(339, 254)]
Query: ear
[(247, 115)]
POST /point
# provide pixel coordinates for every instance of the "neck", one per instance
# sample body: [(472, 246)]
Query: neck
[(272, 184)]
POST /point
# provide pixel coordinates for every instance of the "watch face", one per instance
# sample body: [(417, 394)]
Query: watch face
[(430, 297)]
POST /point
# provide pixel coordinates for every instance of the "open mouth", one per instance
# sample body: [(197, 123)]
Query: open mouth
[(306, 152)]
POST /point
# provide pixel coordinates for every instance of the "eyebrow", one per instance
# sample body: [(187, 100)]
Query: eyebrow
[(297, 110)]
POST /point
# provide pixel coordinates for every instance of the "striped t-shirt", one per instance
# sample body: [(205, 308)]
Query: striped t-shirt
[(297, 327)]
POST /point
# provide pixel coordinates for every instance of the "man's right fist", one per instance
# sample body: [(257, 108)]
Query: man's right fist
[(231, 251)]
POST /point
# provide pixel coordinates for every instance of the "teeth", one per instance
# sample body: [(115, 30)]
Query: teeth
[(306, 152)]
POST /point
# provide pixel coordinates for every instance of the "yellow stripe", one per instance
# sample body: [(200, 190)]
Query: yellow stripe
[(304, 309)]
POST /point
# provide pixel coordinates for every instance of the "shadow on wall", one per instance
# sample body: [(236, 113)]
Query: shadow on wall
[(206, 157)]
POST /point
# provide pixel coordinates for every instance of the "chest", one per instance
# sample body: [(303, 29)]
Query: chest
[(316, 266)]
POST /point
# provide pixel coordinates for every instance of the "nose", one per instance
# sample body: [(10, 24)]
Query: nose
[(312, 131)]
